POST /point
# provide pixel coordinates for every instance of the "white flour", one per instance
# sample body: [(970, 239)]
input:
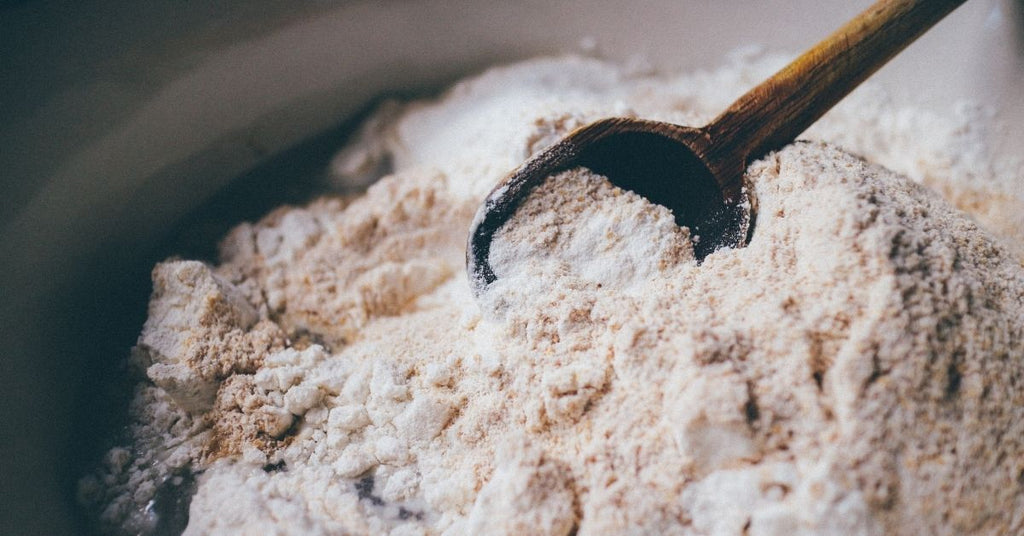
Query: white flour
[(856, 369), (580, 223)]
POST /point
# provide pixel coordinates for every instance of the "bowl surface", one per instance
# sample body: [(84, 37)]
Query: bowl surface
[(118, 121)]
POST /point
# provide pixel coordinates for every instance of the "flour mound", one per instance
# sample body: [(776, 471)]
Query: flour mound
[(856, 369), (838, 375)]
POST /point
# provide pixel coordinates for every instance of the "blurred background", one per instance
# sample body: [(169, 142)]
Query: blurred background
[(132, 131)]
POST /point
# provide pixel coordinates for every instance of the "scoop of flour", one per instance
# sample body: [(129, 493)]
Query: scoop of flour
[(578, 222)]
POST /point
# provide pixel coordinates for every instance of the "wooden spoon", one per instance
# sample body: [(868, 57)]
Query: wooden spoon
[(698, 172)]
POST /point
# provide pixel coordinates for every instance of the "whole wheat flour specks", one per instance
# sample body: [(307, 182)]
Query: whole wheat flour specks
[(857, 369)]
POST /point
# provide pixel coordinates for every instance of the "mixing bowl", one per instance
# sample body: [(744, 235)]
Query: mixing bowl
[(129, 132)]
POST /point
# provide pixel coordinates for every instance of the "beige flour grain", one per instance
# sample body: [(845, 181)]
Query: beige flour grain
[(857, 369)]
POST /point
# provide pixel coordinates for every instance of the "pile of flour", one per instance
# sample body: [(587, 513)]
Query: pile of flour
[(857, 369)]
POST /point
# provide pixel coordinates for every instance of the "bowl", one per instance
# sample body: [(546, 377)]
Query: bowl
[(131, 132)]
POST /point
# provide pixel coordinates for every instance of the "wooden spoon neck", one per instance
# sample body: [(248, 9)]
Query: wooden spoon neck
[(730, 179), (723, 158), (774, 113)]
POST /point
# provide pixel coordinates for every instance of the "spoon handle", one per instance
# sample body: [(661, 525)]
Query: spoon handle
[(777, 111)]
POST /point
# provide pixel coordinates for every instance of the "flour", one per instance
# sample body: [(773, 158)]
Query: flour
[(579, 222), (855, 369)]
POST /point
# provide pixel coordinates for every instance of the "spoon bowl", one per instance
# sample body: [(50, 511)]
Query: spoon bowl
[(659, 161)]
